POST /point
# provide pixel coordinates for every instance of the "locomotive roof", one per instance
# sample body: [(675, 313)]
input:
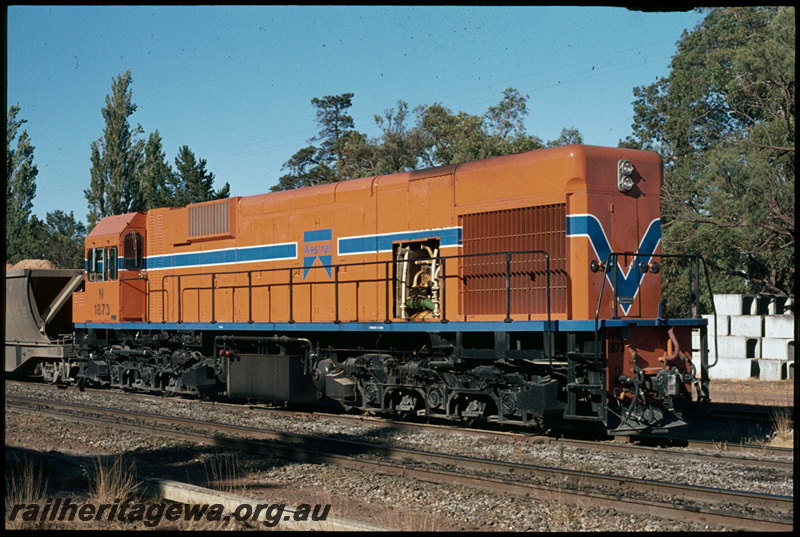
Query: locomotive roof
[(572, 155), (112, 225)]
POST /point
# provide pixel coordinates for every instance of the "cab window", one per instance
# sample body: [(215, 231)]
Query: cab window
[(97, 265), (133, 251), (112, 263), (103, 264), (90, 265)]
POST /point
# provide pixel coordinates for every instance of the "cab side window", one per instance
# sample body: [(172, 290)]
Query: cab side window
[(133, 251), (90, 265), (98, 265), (102, 264), (112, 263)]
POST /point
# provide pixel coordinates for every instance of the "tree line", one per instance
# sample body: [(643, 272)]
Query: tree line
[(127, 175), (723, 120), (438, 137)]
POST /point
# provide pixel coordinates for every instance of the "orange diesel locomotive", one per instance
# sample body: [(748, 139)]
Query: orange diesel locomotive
[(519, 289)]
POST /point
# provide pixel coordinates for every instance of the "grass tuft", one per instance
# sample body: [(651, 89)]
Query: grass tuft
[(222, 473), (560, 515), (782, 428), (26, 485), (112, 481)]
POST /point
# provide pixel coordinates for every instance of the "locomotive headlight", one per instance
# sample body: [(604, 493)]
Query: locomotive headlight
[(625, 169)]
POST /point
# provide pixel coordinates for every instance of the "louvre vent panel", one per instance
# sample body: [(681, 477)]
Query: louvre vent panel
[(484, 277), (209, 220)]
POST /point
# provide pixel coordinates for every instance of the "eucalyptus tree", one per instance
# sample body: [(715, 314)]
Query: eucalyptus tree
[(724, 123)]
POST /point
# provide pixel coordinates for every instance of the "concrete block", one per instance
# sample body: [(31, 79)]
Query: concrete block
[(737, 346), (771, 369), (747, 325), (779, 305), (733, 304), (723, 324), (773, 307), (777, 348), (734, 369), (696, 338), (773, 304), (779, 326)]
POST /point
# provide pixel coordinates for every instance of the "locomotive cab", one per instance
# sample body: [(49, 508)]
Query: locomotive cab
[(115, 288)]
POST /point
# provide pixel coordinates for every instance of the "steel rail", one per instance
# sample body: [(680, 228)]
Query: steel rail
[(729, 453), (305, 447)]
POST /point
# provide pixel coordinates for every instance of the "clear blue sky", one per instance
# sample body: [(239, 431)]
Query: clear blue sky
[(235, 83)]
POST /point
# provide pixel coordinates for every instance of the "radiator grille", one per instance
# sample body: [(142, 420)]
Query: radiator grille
[(484, 277)]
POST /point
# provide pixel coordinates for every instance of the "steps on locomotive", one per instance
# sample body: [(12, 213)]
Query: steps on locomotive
[(590, 383)]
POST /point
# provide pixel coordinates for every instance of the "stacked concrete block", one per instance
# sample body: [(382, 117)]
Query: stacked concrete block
[(755, 337), (779, 342), (747, 325)]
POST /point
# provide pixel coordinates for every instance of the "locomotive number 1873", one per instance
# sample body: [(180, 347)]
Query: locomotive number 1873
[(102, 309), (616, 345)]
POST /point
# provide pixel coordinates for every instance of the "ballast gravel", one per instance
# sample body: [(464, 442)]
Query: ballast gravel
[(388, 501)]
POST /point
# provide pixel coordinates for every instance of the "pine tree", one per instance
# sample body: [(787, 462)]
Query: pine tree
[(65, 239), (328, 162), (157, 176), (192, 183)]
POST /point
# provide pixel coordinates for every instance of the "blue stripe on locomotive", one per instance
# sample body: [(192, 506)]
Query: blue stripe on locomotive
[(273, 252), (270, 252), (367, 244)]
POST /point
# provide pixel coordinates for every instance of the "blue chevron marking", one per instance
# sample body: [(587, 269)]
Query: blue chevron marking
[(629, 282)]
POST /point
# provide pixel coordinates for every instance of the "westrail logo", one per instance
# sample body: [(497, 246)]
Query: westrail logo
[(318, 245), (630, 280)]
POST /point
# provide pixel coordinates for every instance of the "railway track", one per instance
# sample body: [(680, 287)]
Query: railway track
[(728, 508), (749, 455), (744, 454)]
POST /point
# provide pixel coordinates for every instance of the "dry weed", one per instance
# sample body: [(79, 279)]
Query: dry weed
[(404, 520), (25, 485), (113, 481), (222, 473), (783, 428), (560, 515)]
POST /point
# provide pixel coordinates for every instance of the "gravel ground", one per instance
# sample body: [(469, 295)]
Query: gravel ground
[(382, 500)]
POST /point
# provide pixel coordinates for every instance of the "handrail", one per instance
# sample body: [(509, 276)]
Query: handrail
[(336, 267), (694, 283)]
